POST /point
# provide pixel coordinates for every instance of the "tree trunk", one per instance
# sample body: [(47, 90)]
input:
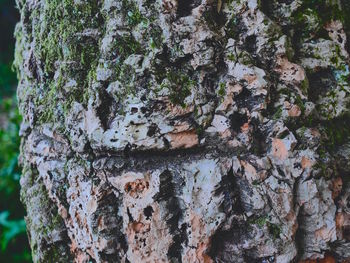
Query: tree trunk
[(185, 130)]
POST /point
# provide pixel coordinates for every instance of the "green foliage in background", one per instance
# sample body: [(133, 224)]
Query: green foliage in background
[(7, 79), (13, 239)]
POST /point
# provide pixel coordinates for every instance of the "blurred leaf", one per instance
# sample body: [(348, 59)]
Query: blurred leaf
[(7, 79), (11, 228)]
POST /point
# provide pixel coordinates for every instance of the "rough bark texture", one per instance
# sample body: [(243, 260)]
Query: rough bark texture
[(185, 130)]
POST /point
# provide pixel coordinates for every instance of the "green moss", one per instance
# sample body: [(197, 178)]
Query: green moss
[(245, 58), (126, 46), (231, 27), (132, 13), (255, 182), (18, 59), (278, 114), (259, 221), (180, 87), (305, 86), (229, 2), (222, 89), (134, 17), (64, 48), (322, 12), (48, 107), (303, 130), (322, 169), (156, 37), (337, 132), (213, 19), (303, 14), (274, 230), (231, 57), (262, 221), (44, 227), (200, 131), (300, 104)]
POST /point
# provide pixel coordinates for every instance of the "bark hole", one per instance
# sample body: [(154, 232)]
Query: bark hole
[(245, 99), (184, 7), (220, 249), (104, 109), (321, 82), (237, 121), (152, 130), (250, 43), (259, 145), (148, 211)]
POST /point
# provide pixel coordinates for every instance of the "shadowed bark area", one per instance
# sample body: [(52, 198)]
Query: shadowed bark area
[(185, 131)]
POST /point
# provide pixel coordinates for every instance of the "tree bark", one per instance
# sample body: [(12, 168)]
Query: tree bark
[(185, 130)]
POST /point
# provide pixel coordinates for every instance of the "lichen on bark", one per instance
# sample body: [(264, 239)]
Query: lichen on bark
[(185, 131)]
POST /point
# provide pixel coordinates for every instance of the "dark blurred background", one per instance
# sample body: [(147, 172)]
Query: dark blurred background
[(13, 240)]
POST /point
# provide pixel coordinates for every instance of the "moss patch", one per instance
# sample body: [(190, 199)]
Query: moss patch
[(67, 46)]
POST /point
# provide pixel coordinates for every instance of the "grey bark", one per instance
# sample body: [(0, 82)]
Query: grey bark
[(185, 131)]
